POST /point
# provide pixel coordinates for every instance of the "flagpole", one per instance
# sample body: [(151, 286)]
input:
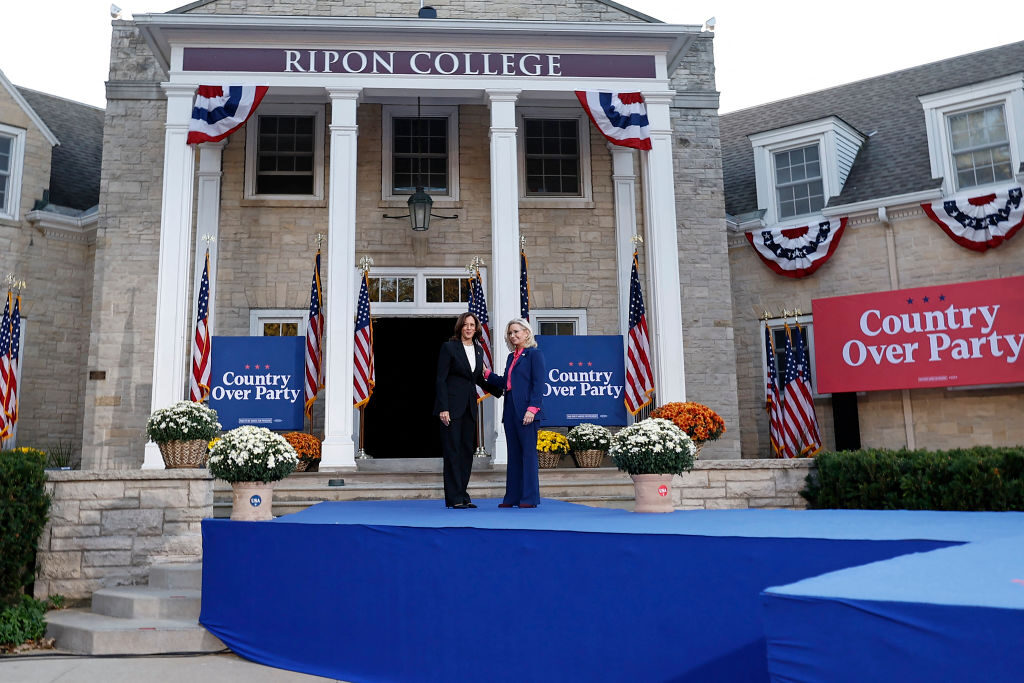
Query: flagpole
[(365, 263), (481, 450)]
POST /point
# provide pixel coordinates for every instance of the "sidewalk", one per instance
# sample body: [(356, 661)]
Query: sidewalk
[(46, 667)]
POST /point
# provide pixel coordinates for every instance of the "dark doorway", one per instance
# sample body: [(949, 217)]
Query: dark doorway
[(398, 419), (846, 420)]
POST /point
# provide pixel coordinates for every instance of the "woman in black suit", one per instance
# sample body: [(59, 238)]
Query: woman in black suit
[(459, 367)]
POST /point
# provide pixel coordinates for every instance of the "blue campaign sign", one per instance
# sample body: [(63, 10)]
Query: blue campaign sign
[(585, 379), (258, 381)]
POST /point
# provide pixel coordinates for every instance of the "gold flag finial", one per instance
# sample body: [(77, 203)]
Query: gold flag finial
[(637, 240), (319, 239), (365, 263)]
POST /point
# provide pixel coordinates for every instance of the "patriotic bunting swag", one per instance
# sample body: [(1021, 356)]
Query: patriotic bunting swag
[(314, 340), (639, 378), (364, 376), (621, 117), (772, 399), (478, 307), (801, 437), (797, 252), (524, 288), (199, 382), (981, 222), (221, 110)]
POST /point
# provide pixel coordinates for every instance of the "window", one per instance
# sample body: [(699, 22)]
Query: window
[(277, 323), (779, 340), (12, 145), (974, 136), (420, 149), (391, 289), (561, 322), (447, 290), (285, 153), (798, 168), (798, 182), (980, 147), (554, 157)]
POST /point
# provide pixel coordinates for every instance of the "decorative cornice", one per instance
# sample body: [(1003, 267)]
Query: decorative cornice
[(696, 99), (55, 226), (134, 90)]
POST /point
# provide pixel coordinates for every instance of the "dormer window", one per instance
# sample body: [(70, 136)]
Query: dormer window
[(974, 135), (798, 168)]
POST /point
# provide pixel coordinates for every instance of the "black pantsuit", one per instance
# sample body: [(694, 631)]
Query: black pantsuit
[(456, 393)]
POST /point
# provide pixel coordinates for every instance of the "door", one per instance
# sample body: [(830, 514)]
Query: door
[(398, 420)]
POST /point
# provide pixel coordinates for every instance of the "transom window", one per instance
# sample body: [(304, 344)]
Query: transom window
[(552, 157), (798, 182), (419, 154), (391, 289), (447, 290), (559, 321), (284, 153), (980, 146), (277, 322)]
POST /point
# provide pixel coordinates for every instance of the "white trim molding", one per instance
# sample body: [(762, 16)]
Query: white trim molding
[(577, 316), (11, 206), (1007, 91)]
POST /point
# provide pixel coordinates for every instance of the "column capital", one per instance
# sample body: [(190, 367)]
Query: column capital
[(344, 93), (178, 89), (502, 95), (659, 97)]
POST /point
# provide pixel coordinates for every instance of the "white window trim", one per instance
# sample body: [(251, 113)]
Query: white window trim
[(806, 322), (586, 198), (252, 142), (389, 112), (12, 208), (419, 307), (559, 315), (259, 316), (1008, 91), (767, 144)]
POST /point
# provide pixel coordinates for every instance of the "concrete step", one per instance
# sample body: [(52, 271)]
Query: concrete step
[(146, 602), (176, 576), (85, 632)]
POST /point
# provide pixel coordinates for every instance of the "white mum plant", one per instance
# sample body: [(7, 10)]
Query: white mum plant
[(653, 446), (589, 437), (184, 421), (252, 454)]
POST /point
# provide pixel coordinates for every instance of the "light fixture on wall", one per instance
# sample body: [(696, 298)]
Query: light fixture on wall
[(420, 202)]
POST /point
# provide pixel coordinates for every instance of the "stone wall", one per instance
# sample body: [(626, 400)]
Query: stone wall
[(108, 528), (723, 484)]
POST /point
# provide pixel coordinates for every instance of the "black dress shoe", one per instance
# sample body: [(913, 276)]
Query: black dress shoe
[(523, 506), (506, 505), (470, 505), (461, 506)]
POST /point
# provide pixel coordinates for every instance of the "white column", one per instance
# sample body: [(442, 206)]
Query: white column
[(340, 296), (662, 254), (207, 223), (624, 197), (170, 341), (504, 236)]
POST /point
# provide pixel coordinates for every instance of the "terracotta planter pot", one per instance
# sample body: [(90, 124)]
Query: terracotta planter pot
[(252, 500), (653, 492)]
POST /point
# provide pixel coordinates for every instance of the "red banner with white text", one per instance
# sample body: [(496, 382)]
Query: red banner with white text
[(944, 335)]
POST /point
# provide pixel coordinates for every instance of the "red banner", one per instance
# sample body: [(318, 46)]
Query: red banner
[(946, 335)]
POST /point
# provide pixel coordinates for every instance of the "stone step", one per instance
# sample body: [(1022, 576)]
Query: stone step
[(176, 576), (146, 602), (85, 632)]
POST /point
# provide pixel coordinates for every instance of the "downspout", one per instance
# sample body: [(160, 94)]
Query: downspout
[(894, 283)]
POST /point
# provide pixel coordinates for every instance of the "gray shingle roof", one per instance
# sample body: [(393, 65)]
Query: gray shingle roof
[(894, 160), (75, 168)]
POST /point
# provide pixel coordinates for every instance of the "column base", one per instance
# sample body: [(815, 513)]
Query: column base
[(337, 453), (153, 459)]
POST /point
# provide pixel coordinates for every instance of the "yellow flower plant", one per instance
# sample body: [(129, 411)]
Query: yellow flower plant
[(552, 442)]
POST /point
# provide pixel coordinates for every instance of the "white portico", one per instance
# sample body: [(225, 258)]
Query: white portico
[(346, 63)]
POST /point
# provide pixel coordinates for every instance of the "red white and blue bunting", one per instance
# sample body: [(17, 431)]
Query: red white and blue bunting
[(621, 117), (981, 222), (221, 110), (797, 252)]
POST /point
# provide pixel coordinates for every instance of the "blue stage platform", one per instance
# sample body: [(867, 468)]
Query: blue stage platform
[(410, 591)]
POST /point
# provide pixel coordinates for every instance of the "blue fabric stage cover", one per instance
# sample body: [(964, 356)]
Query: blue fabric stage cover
[(409, 591), (955, 614)]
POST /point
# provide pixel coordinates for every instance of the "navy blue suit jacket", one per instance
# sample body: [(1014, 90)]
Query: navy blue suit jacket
[(527, 383)]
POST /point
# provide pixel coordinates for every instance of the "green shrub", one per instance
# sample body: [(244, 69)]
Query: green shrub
[(981, 478), (24, 506), (23, 621)]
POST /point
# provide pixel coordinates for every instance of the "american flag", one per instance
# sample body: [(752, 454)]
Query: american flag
[(315, 340), (478, 307), (524, 288), (812, 441), (199, 382), (11, 400), (5, 367), (772, 400), (639, 378), (363, 375), (800, 426)]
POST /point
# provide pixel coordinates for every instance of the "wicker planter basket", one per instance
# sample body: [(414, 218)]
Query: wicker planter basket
[(548, 461), (308, 465), (591, 458), (697, 446), (183, 454)]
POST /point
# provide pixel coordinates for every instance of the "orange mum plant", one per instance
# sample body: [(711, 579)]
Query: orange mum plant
[(698, 421), (306, 445)]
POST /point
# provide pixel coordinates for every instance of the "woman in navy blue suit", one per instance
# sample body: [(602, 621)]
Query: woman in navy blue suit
[(459, 366), (523, 384)]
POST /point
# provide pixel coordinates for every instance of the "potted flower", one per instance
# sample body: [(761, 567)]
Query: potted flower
[(251, 459), (307, 447), (182, 432), (651, 451), (699, 422), (551, 446), (589, 443)]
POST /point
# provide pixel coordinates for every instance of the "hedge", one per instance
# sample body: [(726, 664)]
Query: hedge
[(981, 478), (24, 507)]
